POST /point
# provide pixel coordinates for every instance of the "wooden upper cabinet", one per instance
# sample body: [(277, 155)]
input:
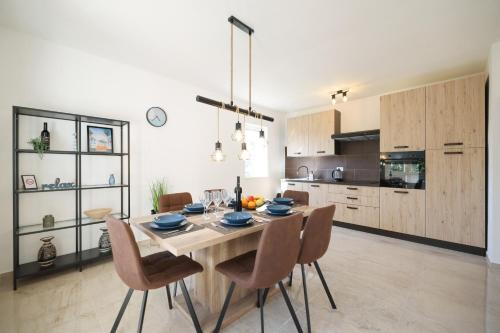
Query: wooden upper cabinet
[(456, 113), (402, 210), (402, 121), (298, 136), (321, 127), (455, 195)]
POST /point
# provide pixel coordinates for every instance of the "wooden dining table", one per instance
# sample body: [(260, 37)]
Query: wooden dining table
[(210, 245)]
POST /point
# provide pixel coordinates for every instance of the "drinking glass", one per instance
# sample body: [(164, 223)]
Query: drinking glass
[(217, 199), (226, 197), (206, 200)]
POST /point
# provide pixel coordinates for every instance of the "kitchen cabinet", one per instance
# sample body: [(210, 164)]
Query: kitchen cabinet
[(291, 185), (402, 121), (321, 127), (298, 136), (402, 210), (455, 113), (455, 195), (355, 204), (317, 194)]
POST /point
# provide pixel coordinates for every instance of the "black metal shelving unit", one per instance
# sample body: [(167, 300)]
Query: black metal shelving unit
[(80, 256)]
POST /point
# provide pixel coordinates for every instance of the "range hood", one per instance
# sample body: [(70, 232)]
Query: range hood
[(357, 136)]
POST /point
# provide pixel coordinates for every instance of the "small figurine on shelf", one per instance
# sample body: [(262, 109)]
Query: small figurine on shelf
[(48, 221), (104, 241), (111, 180)]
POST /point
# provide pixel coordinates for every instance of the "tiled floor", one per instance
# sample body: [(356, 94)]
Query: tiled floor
[(379, 285)]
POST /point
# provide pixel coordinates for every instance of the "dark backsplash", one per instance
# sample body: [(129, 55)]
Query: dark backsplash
[(359, 159)]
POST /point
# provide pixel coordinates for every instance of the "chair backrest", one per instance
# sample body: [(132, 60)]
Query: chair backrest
[(126, 255), (277, 251), (174, 201), (316, 235), (300, 197)]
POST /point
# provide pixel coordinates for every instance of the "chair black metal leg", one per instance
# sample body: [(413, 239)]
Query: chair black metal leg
[(330, 298), (224, 307), (266, 291), (169, 297), (122, 310), (290, 307), (143, 311), (306, 300), (175, 289), (260, 292), (290, 279), (194, 317)]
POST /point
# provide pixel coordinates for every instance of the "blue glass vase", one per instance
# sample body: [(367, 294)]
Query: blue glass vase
[(111, 180)]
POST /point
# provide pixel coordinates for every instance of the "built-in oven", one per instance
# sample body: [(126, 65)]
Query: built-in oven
[(403, 169)]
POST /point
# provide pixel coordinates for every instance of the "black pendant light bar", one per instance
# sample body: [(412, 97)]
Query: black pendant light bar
[(233, 108), (240, 25)]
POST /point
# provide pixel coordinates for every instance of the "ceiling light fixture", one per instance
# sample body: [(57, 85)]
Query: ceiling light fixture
[(244, 153), (340, 92), (218, 156)]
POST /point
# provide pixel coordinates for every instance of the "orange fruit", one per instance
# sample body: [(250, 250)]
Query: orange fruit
[(251, 205), (250, 198), (244, 203)]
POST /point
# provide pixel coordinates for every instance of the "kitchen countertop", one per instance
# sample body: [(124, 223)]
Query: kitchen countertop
[(333, 182)]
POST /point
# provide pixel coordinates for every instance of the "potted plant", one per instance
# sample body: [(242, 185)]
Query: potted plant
[(157, 189), (38, 146)]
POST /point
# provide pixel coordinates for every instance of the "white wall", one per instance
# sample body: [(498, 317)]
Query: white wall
[(357, 115), (494, 156), (40, 74)]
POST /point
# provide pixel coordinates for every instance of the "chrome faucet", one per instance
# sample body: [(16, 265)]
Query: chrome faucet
[(303, 166)]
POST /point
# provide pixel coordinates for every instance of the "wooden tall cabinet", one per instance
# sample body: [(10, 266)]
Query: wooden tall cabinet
[(321, 127), (455, 195), (402, 210), (402, 121), (298, 136), (455, 113)]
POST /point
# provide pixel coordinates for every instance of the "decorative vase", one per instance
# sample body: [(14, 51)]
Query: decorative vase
[(111, 180), (104, 241), (48, 221), (47, 253)]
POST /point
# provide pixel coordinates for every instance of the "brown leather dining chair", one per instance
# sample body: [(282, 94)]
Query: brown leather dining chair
[(314, 244), (174, 201), (147, 273), (261, 269), (169, 203), (300, 197)]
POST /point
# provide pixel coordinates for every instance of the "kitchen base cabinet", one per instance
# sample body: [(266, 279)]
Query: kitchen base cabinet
[(360, 215), (317, 194), (402, 210), (291, 185), (455, 195)]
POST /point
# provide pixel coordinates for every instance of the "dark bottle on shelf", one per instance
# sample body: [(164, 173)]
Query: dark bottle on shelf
[(45, 136), (237, 191)]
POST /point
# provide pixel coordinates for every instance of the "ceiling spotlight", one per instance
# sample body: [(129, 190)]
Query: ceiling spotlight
[(344, 96), (334, 100)]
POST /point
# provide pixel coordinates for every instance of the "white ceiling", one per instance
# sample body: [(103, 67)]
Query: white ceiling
[(303, 50)]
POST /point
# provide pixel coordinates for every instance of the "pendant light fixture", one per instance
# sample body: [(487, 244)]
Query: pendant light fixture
[(238, 133), (339, 92), (262, 135), (218, 156), (244, 153)]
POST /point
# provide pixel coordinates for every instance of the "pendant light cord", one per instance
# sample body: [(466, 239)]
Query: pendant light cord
[(249, 73), (232, 57), (218, 123)]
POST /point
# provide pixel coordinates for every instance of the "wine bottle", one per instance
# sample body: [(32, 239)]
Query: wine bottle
[(45, 136), (237, 191)]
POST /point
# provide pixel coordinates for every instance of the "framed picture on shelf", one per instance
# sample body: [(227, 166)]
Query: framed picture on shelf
[(29, 182), (99, 139)]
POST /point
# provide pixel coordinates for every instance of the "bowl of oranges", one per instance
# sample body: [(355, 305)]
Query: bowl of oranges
[(252, 202)]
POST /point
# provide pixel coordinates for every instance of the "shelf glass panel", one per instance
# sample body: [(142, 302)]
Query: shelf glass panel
[(83, 187), (63, 224)]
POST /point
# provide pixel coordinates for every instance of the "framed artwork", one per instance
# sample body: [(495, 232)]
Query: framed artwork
[(29, 182), (99, 139)]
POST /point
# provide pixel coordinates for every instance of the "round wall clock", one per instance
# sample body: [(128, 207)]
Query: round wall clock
[(156, 116)]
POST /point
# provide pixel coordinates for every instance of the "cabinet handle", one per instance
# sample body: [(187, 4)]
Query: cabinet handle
[(352, 188), (401, 192), (349, 207), (314, 185), (453, 152), (352, 198), (298, 153), (400, 147), (291, 184), (454, 144), (320, 152)]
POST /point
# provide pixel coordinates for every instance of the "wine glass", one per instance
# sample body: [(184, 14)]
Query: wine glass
[(217, 199), (206, 200), (226, 197)]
